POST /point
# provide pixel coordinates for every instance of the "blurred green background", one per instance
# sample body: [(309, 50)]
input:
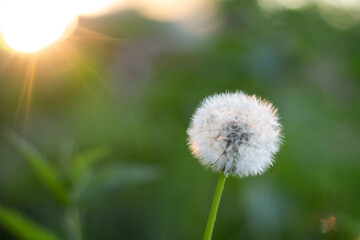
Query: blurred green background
[(105, 133)]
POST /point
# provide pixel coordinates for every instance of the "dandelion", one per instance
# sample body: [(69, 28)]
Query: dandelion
[(234, 134)]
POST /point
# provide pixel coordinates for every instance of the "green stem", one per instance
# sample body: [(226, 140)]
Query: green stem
[(214, 207), (72, 218)]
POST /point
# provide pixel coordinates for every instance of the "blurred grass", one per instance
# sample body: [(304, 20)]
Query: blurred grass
[(46, 174), (22, 227), (85, 160)]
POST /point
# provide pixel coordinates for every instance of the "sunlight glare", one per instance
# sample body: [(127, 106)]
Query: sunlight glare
[(93, 7), (28, 26), (164, 10)]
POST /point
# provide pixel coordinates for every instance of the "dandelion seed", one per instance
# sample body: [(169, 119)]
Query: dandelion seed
[(235, 133)]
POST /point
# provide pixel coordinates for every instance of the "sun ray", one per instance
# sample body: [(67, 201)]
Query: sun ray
[(26, 92), (101, 36), (30, 76), (76, 56)]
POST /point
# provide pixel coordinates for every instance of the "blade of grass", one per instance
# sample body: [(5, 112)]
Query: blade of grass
[(46, 174), (85, 160), (73, 223), (22, 227), (111, 179)]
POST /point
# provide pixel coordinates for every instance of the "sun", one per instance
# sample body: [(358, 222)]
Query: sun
[(28, 26)]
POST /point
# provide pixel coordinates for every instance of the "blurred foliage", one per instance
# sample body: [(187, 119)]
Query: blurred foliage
[(45, 173), (132, 99), (22, 227), (84, 186)]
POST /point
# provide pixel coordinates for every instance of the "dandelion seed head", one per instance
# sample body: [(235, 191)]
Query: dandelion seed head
[(235, 133)]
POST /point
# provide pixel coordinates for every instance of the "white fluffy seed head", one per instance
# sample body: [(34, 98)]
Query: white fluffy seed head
[(235, 133)]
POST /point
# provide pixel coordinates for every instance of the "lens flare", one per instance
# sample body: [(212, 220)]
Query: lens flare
[(28, 26)]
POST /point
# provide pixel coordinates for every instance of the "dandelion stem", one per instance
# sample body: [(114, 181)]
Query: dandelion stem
[(214, 207)]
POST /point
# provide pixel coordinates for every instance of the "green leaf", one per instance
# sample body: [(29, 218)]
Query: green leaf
[(46, 174), (22, 227), (114, 178), (85, 160)]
